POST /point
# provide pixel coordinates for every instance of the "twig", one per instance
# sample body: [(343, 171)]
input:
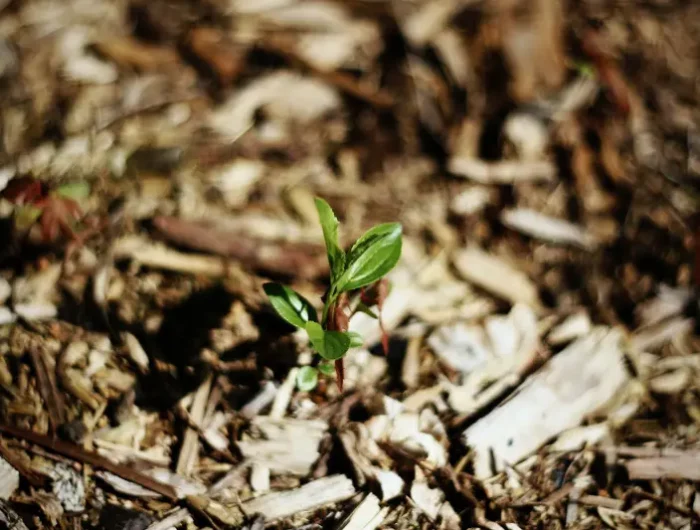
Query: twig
[(666, 504), (15, 461), (190, 445), (170, 521), (47, 387), (296, 259), (75, 452)]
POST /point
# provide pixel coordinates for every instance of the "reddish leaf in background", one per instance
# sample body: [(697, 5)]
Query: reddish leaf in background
[(340, 373), (57, 212), (24, 190), (375, 294), (608, 71)]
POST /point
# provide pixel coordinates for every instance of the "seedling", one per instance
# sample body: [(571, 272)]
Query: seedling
[(55, 210), (360, 270)]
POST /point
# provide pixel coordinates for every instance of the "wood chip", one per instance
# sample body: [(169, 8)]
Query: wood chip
[(76, 452), (315, 494), (505, 172), (9, 479), (496, 276), (172, 520), (573, 327), (682, 466), (574, 384), (366, 516), (547, 228), (288, 445), (189, 453)]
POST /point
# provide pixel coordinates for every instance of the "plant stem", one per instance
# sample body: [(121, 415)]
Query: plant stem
[(330, 300)]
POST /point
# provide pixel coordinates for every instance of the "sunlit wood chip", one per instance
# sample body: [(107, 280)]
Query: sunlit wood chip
[(573, 385), (547, 228)]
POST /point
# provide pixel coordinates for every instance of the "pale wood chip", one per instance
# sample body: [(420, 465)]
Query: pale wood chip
[(366, 516), (321, 492), (493, 274), (574, 384)]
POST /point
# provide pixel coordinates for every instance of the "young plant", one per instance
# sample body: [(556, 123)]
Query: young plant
[(359, 270)]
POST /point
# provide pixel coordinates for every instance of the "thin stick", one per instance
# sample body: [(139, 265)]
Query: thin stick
[(75, 452), (47, 387)]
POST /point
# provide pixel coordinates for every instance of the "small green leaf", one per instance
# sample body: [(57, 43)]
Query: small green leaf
[(330, 345), (26, 215), (329, 224), (74, 190), (585, 69), (307, 378), (289, 304), (364, 308), (356, 339), (371, 257), (326, 368)]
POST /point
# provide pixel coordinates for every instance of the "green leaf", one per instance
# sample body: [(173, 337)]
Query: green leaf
[(585, 69), (356, 339), (307, 378), (329, 224), (371, 257), (326, 368), (289, 304), (364, 308), (330, 345), (26, 215), (74, 190)]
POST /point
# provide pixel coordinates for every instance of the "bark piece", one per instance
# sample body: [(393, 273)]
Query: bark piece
[(574, 384)]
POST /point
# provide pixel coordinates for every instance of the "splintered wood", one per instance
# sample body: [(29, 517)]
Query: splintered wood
[(367, 516), (281, 504), (286, 446), (572, 386)]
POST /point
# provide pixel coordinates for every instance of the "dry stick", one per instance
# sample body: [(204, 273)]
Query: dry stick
[(172, 520), (47, 387), (15, 461), (300, 259), (666, 504), (75, 452)]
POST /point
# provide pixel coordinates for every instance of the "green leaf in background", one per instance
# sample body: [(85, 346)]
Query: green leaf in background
[(356, 339), (307, 378), (289, 304), (585, 69), (371, 257), (363, 308), (330, 345), (74, 190), (329, 224), (326, 369), (26, 215)]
